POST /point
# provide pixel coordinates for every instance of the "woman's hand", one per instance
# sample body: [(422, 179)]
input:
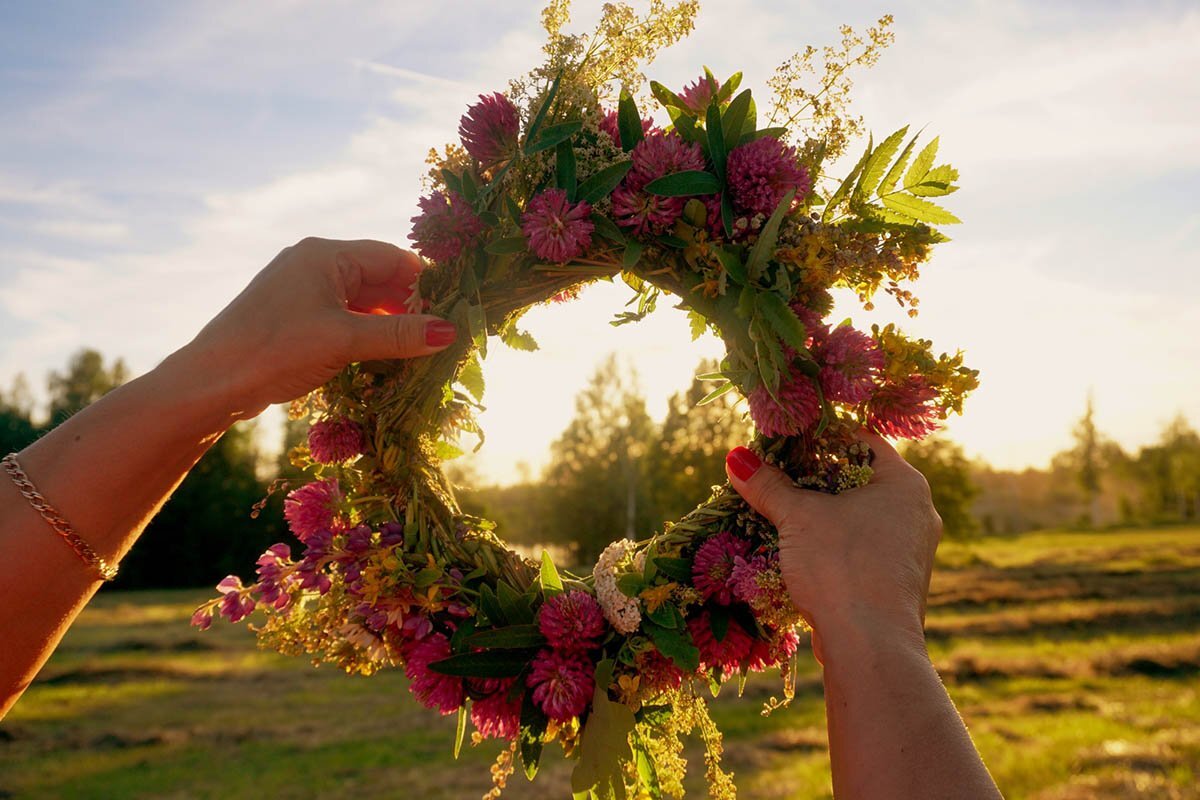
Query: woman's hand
[(861, 558), (317, 306)]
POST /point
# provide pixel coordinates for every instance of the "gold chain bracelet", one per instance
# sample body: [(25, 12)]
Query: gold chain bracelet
[(55, 520)]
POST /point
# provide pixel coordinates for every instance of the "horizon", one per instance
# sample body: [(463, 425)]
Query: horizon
[(142, 163)]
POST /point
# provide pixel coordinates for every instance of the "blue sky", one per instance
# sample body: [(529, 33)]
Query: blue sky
[(154, 156)]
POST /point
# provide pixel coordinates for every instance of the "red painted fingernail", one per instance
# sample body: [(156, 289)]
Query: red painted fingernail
[(440, 333), (743, 463)]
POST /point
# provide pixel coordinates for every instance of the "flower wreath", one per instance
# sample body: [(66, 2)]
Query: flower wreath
[(553, 188)]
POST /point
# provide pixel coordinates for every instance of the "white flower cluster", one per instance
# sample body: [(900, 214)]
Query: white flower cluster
[(621, 611)]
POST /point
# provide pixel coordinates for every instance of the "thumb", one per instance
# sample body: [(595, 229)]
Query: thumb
[(384, 336), (767, 489)]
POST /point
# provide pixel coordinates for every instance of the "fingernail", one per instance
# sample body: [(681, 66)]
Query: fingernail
[(743, 463), (440, 333)]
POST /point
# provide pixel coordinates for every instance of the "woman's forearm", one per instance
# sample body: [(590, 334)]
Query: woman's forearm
[(107, 470), (893, 730)]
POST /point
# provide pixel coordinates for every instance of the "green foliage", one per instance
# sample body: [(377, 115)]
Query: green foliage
[(604, 743), (948, 472), (85, 380), (688, 183), (871, 194)]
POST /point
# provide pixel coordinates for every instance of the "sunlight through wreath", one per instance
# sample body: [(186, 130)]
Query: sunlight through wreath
[(551, 188)]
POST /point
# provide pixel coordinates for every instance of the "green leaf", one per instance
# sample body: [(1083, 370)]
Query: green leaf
[(471, 377), (719, 618), (533, 728), (685, 184), (731, 261), (517, 609), (550, 580), (477, 325), (551, 136), (510, 637), (920, 210), (777, 133), (678, 568), (564, 169), (509, 244), (607, 228), (647, 770), (665, 96), (600, 185), (631, 584), (730, 86), (716, 140), (715, 394), (676, 644), (491, 606), (873, 171), (487, 664), (462, 730), (783, 320), (452, 181), (633, 252), (445, 451), (697, 323), (921, 164), (893, 174), (536, 125), (469, 187), (629, 122), (512, 209), (604, 743), (847, 185), (765, 244), (735, 119), (518, 339), (727, 213), (937, 182)]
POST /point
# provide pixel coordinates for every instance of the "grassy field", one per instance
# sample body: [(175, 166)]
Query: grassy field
[(1074, 658)]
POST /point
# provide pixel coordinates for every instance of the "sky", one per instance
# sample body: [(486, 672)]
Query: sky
[(153, 157)]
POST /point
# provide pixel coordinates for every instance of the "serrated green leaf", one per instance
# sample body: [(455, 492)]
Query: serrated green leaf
[(937, 182), (897, 169), (676, 644), (783, 320), (847, 185), (734, 120), (629, 122), (716, 139), (873, 171), (510, 637), (678, 568), (600, 185), (445, 451), (518, 339), (685, 184), (471, 377), (765, 245), (552, 136), (509, 244), (549, 577), (921, 164), (564, 169), (920, 210), (486, 664), (477, 325), (697, 323)]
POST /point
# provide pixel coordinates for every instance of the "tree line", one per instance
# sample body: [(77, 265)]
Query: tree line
[(613, 472)]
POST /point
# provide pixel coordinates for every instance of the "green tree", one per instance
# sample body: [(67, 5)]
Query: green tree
[(689, 457), (948, 471), (17, 428), (85, 381), (207, 529), (597, 483), (1170, 473)]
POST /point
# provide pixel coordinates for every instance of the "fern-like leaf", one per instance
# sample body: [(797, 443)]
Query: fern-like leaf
[(919, 210)]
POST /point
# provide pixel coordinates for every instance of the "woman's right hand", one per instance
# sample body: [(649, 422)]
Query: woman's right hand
[(862, 558)]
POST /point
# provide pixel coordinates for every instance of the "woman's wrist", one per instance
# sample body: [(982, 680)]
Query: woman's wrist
[(201, 385), (853, 634)]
